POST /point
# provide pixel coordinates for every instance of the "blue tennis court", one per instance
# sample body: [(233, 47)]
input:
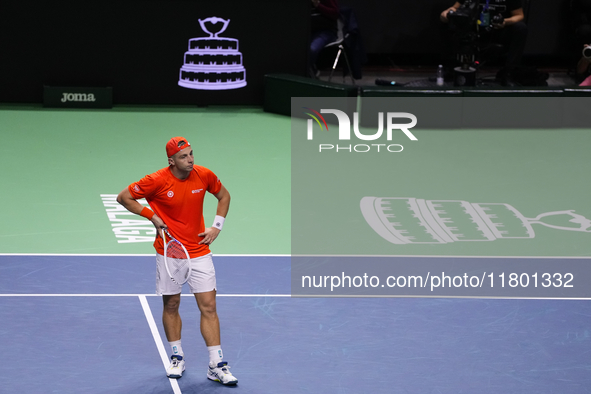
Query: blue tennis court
[(91, 324)]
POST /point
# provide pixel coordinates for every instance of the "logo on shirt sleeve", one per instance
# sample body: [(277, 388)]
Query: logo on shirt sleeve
[(136, 188)]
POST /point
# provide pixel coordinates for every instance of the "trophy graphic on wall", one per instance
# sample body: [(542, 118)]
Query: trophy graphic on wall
[(417, 221), (213, 63)]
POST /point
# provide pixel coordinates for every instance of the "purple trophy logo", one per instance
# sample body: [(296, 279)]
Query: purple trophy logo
[(213, 63)]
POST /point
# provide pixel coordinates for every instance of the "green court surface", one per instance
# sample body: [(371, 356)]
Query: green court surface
[(59, 166), (62, 168)]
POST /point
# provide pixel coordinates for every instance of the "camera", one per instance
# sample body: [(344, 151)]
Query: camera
[(463, 24), (498, 19), (587, 52), (464, 17)]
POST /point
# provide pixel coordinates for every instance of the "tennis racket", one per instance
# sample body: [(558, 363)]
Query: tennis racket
[(176, 259)]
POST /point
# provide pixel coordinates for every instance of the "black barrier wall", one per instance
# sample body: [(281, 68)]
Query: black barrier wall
[(138, 47)]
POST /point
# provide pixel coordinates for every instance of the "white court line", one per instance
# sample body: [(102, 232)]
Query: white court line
[(132, 255), (303, 255), (309, 296), (440, 256), (159, 344), (446, 297), (135, 295)]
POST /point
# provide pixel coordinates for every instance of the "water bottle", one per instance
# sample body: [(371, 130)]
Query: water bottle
[(485, 18), (440, 75)]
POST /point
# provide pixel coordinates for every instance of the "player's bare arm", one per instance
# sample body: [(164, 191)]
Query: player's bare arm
[(124, 198), (211, 233)]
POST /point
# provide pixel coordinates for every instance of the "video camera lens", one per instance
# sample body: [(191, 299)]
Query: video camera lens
[(498, 20), (587, 52)]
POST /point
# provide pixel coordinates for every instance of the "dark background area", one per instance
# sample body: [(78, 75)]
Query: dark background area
[(137, 47), (410, 27)]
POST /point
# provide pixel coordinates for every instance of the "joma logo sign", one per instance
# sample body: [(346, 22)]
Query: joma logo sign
[(77, 97)]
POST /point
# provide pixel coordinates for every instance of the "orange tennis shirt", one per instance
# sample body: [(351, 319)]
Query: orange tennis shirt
[(179, 203)]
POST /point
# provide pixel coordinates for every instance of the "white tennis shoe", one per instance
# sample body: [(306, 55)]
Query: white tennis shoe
[(221, 373), (176, 367)]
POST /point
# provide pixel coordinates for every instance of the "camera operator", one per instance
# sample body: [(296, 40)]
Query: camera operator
[(584, 66), (508, 28)]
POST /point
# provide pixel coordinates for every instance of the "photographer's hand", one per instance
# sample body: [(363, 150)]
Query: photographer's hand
[(499, 26), (443, 16), (516, 16), (453, 8)]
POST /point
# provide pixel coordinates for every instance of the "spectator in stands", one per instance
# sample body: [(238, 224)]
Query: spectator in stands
[(325, 14)]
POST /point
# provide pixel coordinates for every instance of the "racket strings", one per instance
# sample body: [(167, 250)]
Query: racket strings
[(178, 260), (175, 250)]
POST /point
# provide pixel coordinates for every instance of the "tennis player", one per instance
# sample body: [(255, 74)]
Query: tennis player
[(176, 195)]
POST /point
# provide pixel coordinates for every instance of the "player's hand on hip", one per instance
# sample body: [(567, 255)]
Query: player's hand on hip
[(158, 223), (209, 235)]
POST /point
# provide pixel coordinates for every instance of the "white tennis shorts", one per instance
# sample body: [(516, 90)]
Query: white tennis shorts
[(202, 277)]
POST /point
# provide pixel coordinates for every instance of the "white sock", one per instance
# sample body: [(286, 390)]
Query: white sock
[(176, 347), (215, 354)]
